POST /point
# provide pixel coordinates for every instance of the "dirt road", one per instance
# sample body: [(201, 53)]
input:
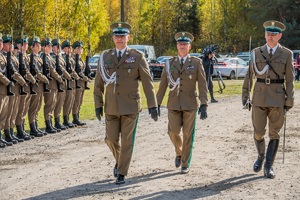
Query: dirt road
[(77, 164)]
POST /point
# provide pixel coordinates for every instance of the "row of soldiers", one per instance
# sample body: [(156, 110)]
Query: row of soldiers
[(60, 77)]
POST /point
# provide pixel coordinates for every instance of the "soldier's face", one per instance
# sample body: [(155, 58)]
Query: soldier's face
[(183, 48), (121, 41), (79, 50), (272, 39), (36, 48), (25, 47)]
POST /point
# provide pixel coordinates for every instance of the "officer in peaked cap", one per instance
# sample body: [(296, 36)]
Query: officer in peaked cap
[(66, 43), (7, 38), (77, 44), (183, 72), (46, 42), (273, 93), (121, 112), (34, 40), (55, 42)]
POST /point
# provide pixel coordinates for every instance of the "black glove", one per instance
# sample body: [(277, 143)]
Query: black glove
[(99, 113), (154, 113), (202, 112), (287, 108), (158, 110)]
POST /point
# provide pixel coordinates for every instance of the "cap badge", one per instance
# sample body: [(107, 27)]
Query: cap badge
[(120, 25), (273, 23)]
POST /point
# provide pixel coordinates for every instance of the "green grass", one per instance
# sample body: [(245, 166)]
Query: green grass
[(87, 112)]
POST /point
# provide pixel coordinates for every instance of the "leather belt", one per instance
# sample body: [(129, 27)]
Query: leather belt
[(269, 81)]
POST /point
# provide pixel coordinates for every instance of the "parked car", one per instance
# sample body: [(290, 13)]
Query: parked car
[(163, 59), (93, 62), (231, 68), (156, 68), (244, 56)]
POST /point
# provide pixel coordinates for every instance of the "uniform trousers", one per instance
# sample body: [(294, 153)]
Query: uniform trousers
[(78, 100), (3, 110), (59, 103), (12, 108), (259, 120), (34, 107), (69, 102), (123, 126), (185, 120), (23, 108), (50, 103)]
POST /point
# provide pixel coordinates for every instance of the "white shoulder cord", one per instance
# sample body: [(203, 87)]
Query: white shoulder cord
[(3, 70), (265, 69), (106, 78), (172, 83)]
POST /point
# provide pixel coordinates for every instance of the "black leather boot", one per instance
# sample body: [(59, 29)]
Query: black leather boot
[(21, 134), (25, 133), (260, 146), (38, 129), (34, 131), (58, 125), (14, 137), (57, 129), (49, 128), (270, 157), (2, 145), (77, 121), (8, 137), (67, 123), (4, 141)]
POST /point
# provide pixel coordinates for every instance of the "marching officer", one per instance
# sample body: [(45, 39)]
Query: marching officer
[(4, 82), (80, 84), (120, 69), (50, 98), (13, 100), (36, 66), (71, 86), (24, 99), (182, 73), (61, 95), (272, 65)]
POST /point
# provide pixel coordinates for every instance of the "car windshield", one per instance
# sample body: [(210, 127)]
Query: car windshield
[(94, 59)]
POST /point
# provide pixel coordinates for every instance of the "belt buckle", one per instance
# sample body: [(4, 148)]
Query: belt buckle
[(267, 81)]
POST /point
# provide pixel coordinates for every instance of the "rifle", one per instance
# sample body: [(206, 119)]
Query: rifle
[(9, 73), (77, 69), (33, 73), (87, 71), (69, 70), (22, 69), (46, 72), (59, 71)]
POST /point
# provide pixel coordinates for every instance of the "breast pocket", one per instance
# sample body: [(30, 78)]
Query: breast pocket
[(130, 70), (110, 69)]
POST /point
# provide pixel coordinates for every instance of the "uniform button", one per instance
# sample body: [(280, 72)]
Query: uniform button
[(180, 78), (180, 84), (180, 90), (117, 84), (118, 93)]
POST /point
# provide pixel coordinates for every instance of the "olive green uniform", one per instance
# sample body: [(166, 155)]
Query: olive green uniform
[(183, 103), (4, 81), (122, 101)]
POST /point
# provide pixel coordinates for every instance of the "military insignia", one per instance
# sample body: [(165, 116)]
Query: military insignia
[(120, 25), (130, 60), (191, 67), (129, 70), (183, 33), (190, 76), (108, 62), (273, 23), (173, 68)]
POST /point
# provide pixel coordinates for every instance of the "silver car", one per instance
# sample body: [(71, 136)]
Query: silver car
[(231, 68)]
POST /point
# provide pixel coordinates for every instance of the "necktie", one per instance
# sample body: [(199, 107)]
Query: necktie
[(271, 53), (181, 63), (120, 55)]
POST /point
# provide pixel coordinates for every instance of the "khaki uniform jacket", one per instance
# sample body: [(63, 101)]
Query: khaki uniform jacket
[(271, 95), (83, 79), (54, 75), (39, 76), (73, 74), (4, 81), (28, 75), (187, 98), (123, 97), (65, 75)]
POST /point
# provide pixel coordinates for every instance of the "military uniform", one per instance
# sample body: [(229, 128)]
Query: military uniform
[(24, 99), (122, 98), (4, 82), (80, 86), (183, 102), (70, 94), (60, 95), (270, 98), (50, 98), (36, 100)]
